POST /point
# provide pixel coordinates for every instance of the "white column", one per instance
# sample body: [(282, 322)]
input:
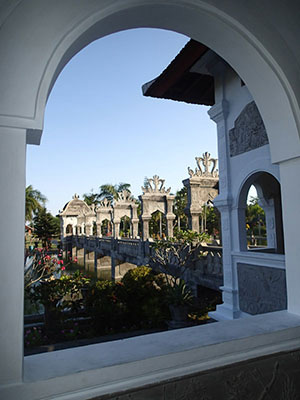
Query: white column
[(290, 192), (12, 218), (230, 307)]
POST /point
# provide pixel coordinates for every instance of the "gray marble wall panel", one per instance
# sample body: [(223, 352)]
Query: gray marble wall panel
[(261, 289), (249, 131)]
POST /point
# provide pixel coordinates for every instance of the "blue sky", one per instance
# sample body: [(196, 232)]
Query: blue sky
[(100, 129)]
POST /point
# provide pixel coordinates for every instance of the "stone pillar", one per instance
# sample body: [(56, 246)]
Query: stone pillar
[(170, 216), (230, 307), (74, 230), (193, 209), (12, 217), (134, 221), (170, 222), (145, 221), (193, 218), (89, 230), (63, 228), (117, 228), (99, 230), (290, 194), (135, 227)]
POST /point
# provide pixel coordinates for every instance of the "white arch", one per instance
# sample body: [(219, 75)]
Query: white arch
[(245, 46), (37, 39)]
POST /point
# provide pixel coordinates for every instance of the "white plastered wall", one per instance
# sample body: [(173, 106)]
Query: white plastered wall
[(234, 171)]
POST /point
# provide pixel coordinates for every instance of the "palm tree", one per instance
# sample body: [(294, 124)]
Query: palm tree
[(91, 198), (34, 202), (110, 191)]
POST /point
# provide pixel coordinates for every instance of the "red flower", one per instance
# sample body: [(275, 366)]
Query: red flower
[(61, 261), (63, 268), (75, 259)]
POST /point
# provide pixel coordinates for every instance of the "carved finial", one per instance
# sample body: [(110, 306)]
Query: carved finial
[(76, 196), (191, 172), (105, 203), (155, 185), (204, 163), (124, 196)]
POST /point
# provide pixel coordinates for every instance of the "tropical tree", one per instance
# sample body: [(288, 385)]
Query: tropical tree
[(180, 204), (110, 191), (34, 202), (46, 226), (157, 224), (212, 219), (91, 198), (255, 218)]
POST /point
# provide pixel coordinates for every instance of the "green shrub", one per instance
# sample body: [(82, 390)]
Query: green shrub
[(105, 308), (143, 293)]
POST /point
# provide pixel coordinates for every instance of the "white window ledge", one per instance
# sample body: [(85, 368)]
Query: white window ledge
[(84, 372), (259, 258)]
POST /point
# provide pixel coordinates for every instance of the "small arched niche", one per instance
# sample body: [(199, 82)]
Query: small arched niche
[(69, 229), (268, 236)]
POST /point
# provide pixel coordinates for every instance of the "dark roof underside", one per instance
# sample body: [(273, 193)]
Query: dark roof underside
[(176, 82)]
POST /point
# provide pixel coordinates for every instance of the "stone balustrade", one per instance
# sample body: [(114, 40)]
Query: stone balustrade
[(206, 270)]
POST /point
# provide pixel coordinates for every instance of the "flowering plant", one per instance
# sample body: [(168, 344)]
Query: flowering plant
[(41, 267)]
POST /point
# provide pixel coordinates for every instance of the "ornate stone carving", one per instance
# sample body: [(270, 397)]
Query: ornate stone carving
[(155, 185), (156, 198), (124, 197), (105, 203), (261, 289), (249, 131), (202, 188), (204, 163)]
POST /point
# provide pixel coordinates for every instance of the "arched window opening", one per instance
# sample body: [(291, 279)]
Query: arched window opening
[(106, 228), (69, 229), (125, 227), (255, 221), (260, 201), (158, 225)]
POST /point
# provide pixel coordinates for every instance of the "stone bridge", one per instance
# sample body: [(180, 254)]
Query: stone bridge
[(119, 255)]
